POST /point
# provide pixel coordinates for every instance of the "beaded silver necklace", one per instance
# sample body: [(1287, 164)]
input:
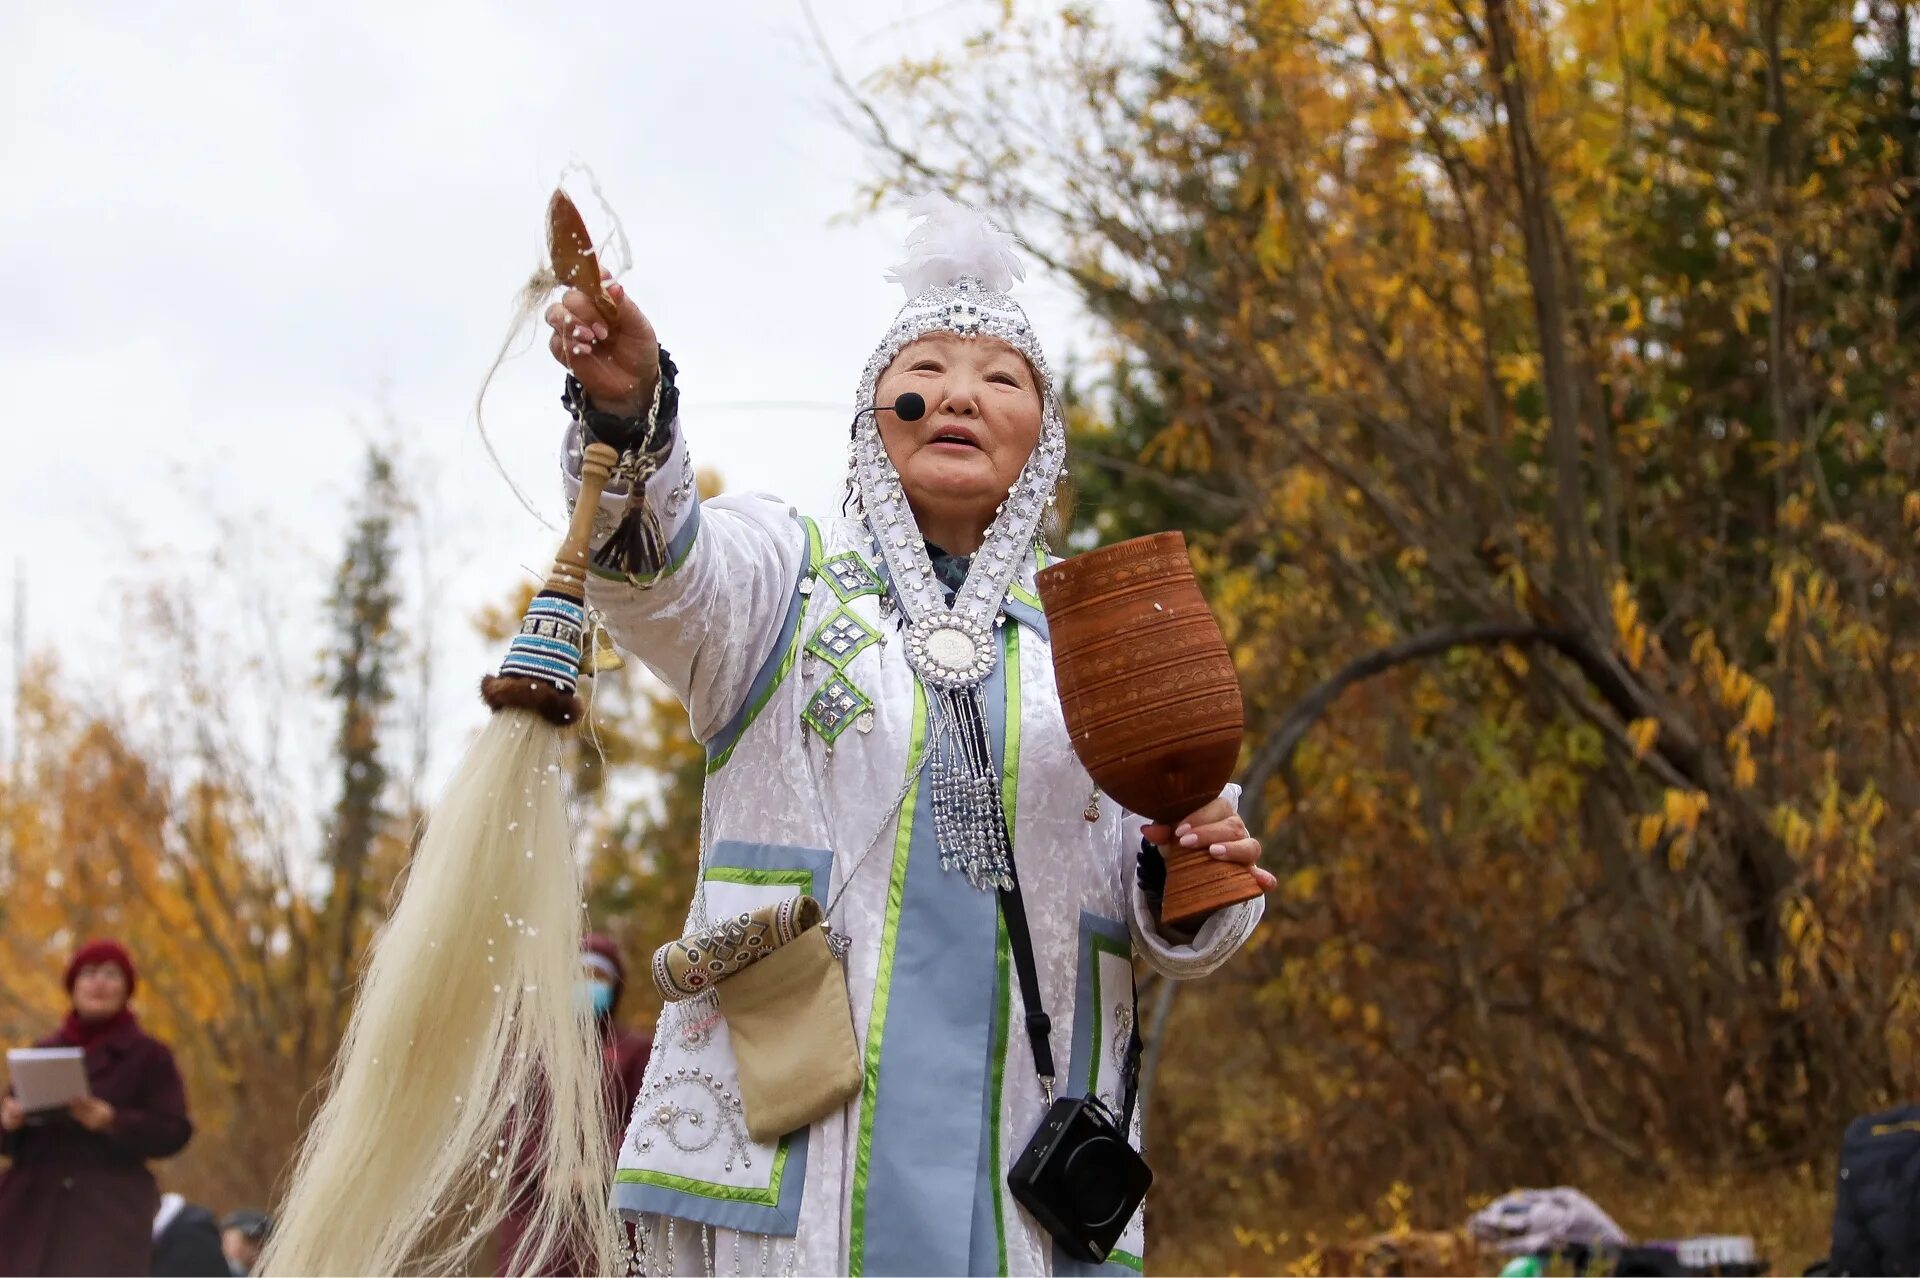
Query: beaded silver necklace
[(957, 280)]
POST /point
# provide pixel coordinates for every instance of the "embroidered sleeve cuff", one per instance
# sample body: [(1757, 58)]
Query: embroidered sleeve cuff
[(1176, 952), (1166, 952)]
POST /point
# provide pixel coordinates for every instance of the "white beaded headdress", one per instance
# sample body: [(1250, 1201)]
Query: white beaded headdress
[(957, 273)]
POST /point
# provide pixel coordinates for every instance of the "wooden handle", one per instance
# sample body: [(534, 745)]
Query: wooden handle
[(569, 574)]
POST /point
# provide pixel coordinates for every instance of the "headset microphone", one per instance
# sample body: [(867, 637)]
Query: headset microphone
[(910, 407)]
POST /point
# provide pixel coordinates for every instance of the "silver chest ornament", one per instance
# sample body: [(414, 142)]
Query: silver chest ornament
[(948, 650)]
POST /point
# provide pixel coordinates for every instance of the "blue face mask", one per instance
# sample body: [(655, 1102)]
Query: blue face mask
[(597, 995)]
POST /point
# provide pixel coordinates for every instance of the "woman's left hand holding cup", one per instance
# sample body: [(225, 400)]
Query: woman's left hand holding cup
[(1217, 830)]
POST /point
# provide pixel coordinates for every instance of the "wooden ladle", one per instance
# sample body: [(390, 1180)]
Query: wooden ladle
[(571, 251)]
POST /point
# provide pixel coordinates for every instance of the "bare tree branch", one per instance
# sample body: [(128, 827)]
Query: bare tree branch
[(1276, 753)]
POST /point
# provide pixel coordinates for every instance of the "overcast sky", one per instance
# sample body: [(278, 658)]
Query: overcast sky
[(234, 237)]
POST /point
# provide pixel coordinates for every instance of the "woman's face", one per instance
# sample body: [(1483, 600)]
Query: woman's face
[(958, 462), (99, 991)]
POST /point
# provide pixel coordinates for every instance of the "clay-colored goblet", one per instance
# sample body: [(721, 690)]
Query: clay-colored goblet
[(1150, 697)]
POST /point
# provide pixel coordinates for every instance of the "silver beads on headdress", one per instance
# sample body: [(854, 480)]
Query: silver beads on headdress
[(959, 268)]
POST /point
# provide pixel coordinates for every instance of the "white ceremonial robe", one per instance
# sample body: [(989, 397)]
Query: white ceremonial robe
[(758, 612)]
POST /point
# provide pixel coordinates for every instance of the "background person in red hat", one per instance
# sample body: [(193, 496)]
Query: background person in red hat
[(624, 1052), (78, 1198)]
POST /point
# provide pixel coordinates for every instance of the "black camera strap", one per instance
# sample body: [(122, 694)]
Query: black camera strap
[(1039, 1025)]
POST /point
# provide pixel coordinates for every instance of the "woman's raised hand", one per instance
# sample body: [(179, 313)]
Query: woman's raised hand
[(12, 1114), (1217, 830), (617, 361)]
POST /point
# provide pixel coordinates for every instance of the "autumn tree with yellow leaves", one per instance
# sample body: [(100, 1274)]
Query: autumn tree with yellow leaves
[(161, 812), (1539, 384)]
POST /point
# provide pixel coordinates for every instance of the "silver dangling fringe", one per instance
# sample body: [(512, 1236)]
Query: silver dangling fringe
[(638, 1239), (968, 819)]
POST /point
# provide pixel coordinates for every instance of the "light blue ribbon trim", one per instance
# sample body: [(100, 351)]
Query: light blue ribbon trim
[(1029, 616), (1094, 928), (936, 1058), (781, 1219)]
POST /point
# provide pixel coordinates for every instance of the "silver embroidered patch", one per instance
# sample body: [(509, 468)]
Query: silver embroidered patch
[(841, 638), (835, 707), (850, 576)]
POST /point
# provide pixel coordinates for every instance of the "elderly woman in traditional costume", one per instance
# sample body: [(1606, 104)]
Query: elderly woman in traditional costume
[(876, 697)]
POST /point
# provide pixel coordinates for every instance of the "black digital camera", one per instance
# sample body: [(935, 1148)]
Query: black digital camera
[(1080, 1178)]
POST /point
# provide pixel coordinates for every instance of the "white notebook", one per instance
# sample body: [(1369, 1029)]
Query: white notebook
[(47, 1077)]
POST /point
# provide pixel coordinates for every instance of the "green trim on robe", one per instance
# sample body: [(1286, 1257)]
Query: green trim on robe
[(802, 879), (883, 987), (815, 550), (768, 1197), (1009, 797)]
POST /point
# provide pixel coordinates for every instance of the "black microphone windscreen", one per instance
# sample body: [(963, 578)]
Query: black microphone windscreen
[(910, 407)]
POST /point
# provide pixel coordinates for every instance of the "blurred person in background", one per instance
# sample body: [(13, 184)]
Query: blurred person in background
[(624, 1052), (243, 1236), (1876, 1201), (603, 978), (186, 1241), (78, 1197)]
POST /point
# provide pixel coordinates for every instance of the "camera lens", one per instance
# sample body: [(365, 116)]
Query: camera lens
[(1097, 1195)]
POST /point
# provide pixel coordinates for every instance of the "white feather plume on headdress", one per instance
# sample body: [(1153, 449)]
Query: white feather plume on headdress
[(953, 241)]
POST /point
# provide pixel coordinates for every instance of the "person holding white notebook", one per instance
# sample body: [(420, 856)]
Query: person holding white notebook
[(77, 1197), (46, 1078)]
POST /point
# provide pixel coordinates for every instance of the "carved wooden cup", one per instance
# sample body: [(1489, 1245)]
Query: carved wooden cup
[(1150, 697)]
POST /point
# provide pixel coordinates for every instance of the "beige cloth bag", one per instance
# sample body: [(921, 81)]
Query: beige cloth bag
[(785, 999), (792, 1028)]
